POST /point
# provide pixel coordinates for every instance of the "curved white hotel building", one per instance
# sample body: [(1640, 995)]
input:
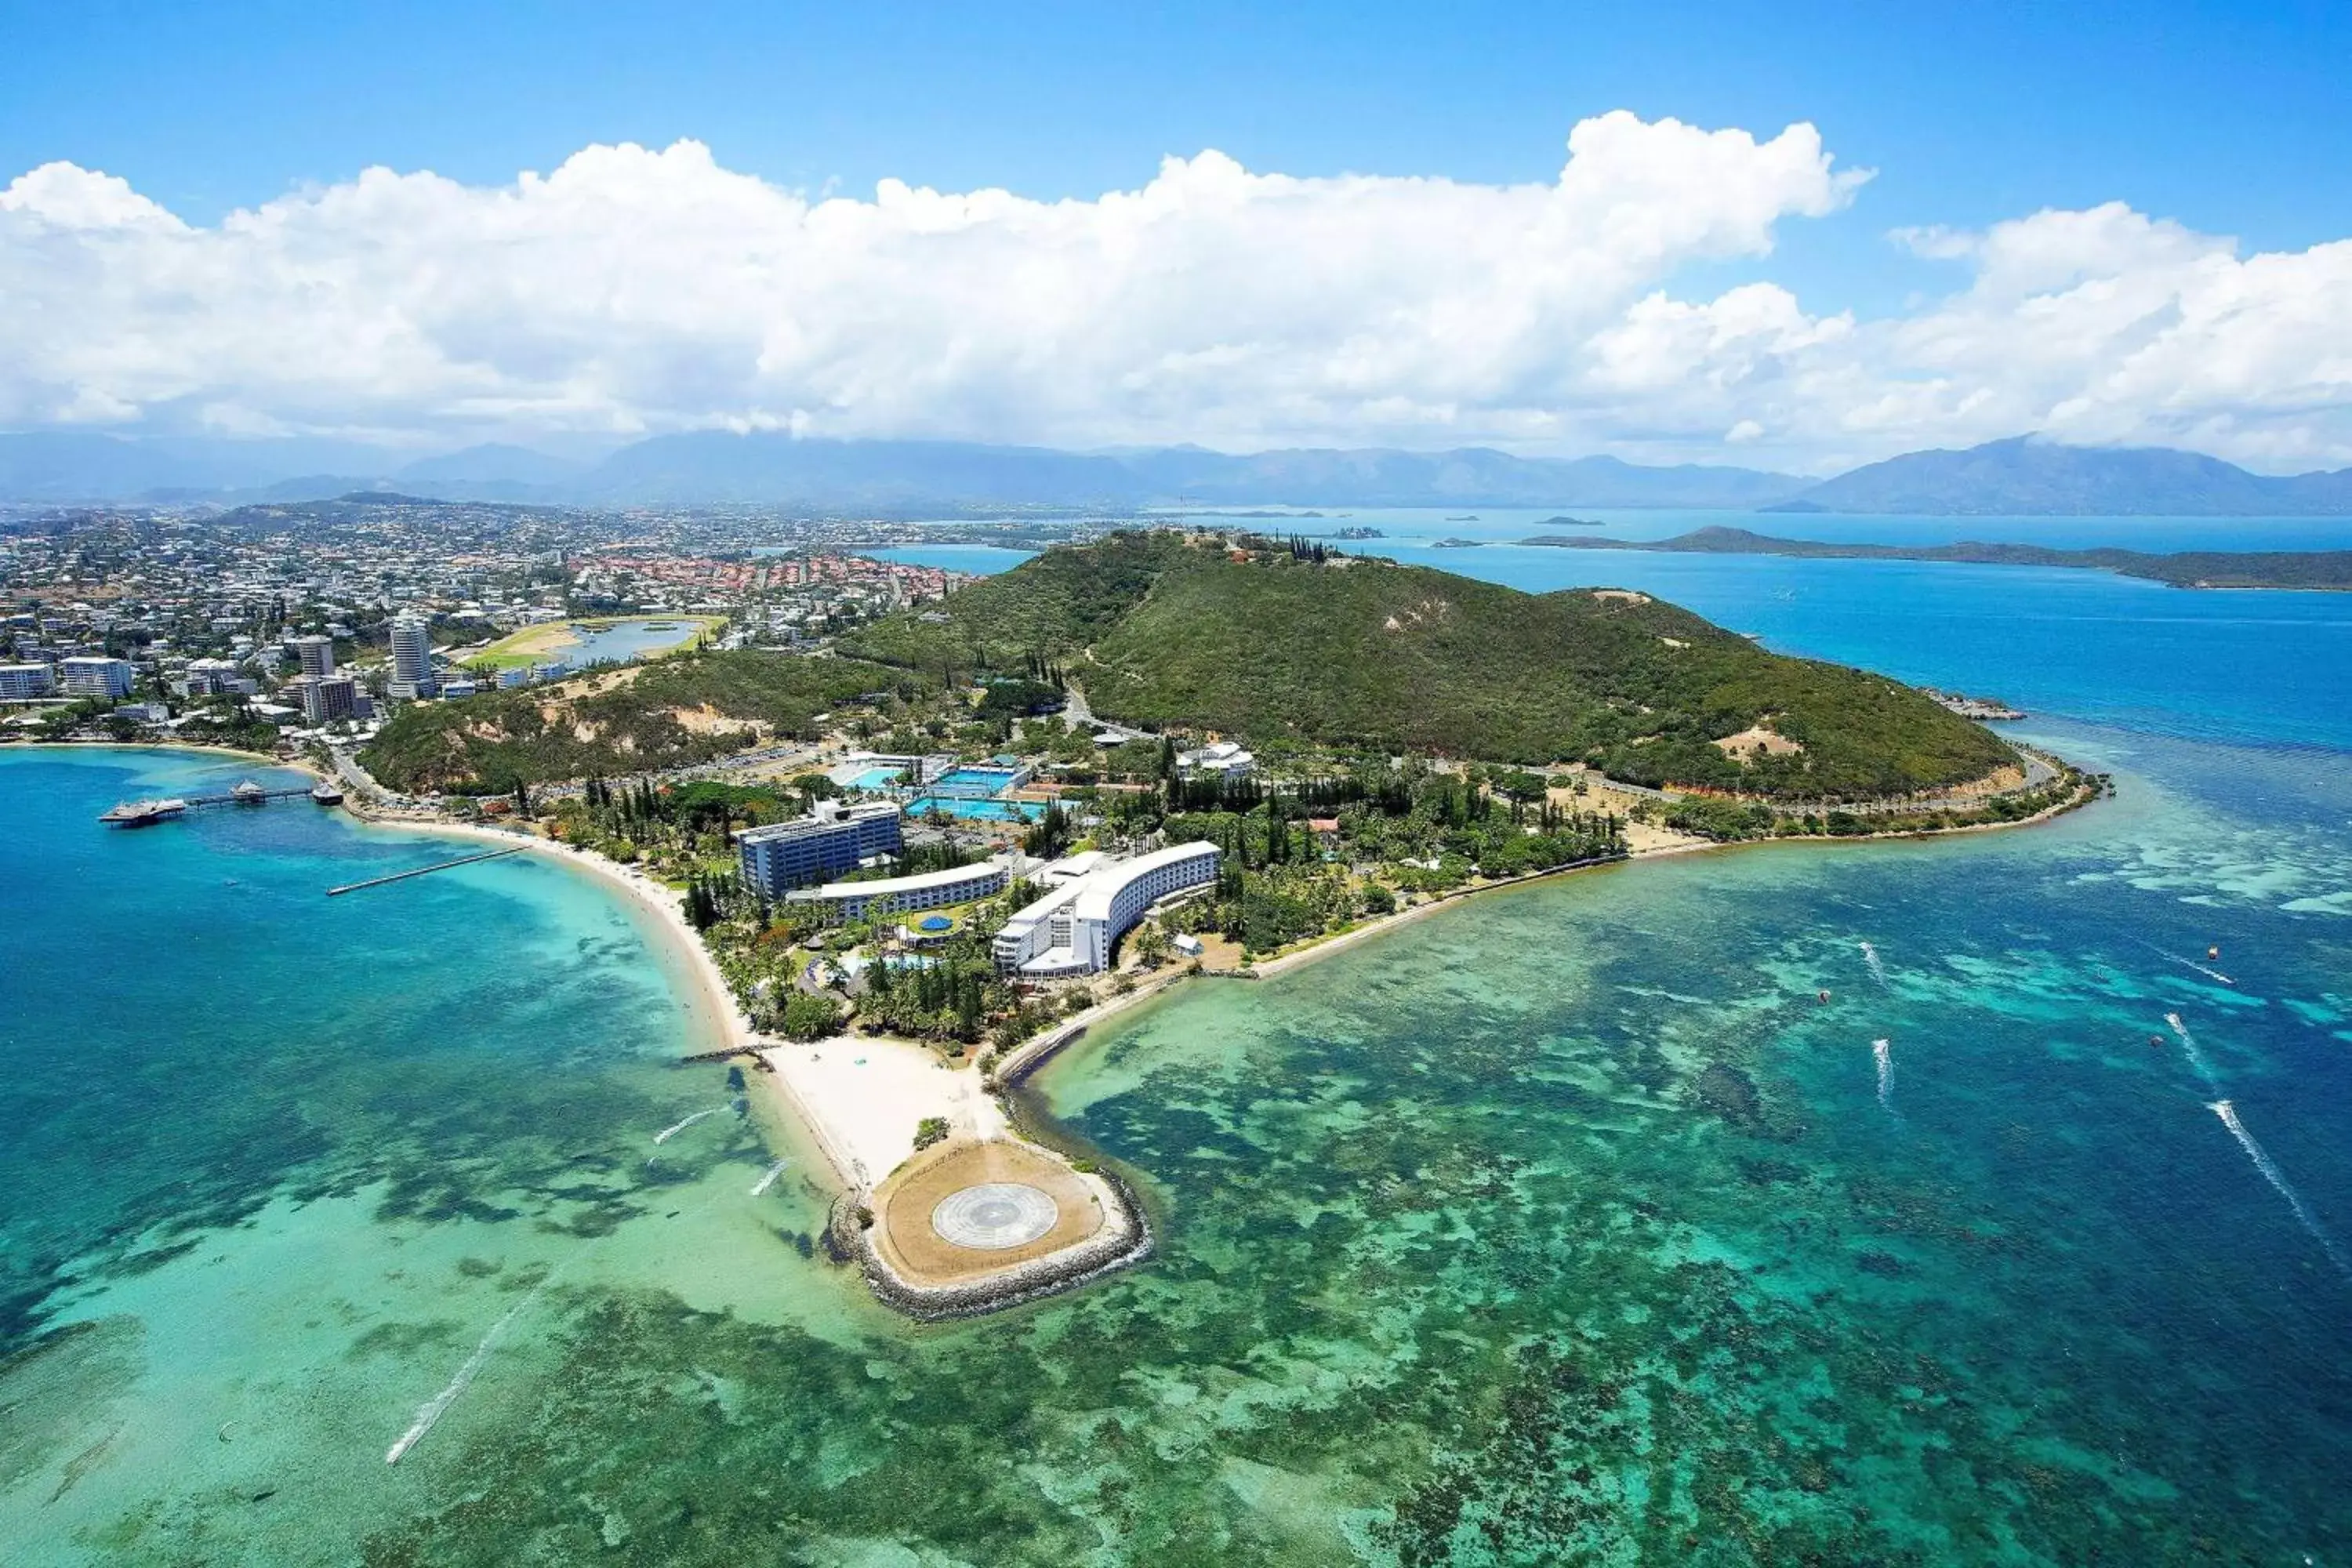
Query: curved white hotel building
[(1072, 929)]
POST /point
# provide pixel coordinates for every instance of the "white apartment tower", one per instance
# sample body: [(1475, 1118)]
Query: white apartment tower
[(412, 656)]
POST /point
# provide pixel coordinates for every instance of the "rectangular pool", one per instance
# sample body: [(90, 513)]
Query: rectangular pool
[(972, 810), (978, 781)]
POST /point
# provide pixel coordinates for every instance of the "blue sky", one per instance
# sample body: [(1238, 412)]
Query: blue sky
[(2229, 119), (2233, 118)]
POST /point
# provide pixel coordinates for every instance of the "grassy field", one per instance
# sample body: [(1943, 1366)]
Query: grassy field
[(537, 645)]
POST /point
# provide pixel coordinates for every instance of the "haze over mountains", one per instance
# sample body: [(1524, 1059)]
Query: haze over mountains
[(2021, 477), (2026, 477)]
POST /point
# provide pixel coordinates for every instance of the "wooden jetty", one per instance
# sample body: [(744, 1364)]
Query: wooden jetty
[(425, 870)]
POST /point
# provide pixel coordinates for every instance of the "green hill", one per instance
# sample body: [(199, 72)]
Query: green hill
[(1366, 653), (663, 714)]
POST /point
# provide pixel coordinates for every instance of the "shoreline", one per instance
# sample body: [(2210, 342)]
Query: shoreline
[(838, 1134), (267, 759), (739, 1036), (1301, 956)]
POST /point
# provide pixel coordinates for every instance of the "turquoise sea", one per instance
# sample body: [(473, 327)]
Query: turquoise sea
[(1565, 1225)]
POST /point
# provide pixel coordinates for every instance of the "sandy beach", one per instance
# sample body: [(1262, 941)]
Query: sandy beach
[(857, 1098), (862, 1096)]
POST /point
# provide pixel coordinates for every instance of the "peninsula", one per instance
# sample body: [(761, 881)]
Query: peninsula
[(2311, 569), (911, 860), (1167, 755)]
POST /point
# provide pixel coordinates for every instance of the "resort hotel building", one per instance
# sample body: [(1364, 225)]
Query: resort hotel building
[(904, 895), (780, 856), (1072, 929), (1218, 760)]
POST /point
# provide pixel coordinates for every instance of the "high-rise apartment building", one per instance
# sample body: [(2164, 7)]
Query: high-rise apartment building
[(412, 656), (97, 677), (317, 654)]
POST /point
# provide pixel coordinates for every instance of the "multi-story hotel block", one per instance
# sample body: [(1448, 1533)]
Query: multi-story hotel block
[(780, 856), (97, 677), (22, 682), (906, 895), (1073, 928)]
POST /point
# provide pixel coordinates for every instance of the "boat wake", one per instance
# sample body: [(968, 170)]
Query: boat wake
[(431, 1410), (1877, 970), (672, 1131), (2188, 963), (2277, 1179), (430, 1413), (2188, 1049), (1884, 1051)]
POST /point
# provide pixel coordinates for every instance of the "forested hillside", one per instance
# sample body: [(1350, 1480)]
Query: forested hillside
[(1265, 643), (663, 714)]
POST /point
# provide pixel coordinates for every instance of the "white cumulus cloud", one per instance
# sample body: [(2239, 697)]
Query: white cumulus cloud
[(633, 289)]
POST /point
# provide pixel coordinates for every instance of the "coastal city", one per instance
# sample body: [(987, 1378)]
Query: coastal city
[(311, 621)]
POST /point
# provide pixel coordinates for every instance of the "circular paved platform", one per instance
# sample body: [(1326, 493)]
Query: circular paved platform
[(994, 1215)]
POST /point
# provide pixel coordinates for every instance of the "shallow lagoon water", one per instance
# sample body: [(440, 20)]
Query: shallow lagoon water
[(618, 642), (1564, 1225)]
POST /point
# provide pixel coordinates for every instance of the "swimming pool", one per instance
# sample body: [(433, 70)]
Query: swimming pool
[(972, 810), (979, 782), (877, 778)]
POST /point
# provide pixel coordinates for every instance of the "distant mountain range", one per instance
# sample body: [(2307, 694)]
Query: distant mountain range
[(2029, 478), (2025, 477), (718, 467)]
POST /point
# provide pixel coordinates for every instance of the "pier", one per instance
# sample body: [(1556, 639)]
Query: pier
[(425, 870), (140, 813)]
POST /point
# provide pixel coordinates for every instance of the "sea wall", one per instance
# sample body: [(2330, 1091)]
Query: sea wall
[(1126, 1239)]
